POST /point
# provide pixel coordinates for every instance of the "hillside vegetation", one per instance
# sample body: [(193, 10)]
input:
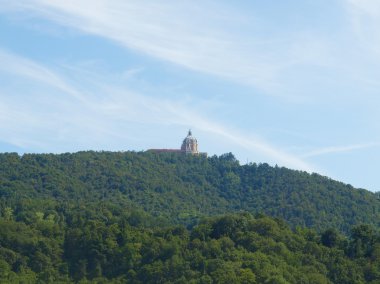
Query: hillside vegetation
[(65, 247), (180, 189), (100, 217)]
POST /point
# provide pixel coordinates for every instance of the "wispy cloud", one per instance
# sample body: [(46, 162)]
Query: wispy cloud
[(95, 118), (203, 38), (248, 142), (369, 7), (19, 66), (365, 20), (338, 149)]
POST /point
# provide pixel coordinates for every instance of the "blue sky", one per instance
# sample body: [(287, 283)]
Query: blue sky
[(292, 83)]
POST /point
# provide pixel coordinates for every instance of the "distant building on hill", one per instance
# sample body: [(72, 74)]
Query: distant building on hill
[(189, 146)]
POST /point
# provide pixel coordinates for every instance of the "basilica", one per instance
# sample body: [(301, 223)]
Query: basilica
[(189, 146)]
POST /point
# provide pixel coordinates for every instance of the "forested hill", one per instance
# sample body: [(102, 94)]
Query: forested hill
[(175, 188)]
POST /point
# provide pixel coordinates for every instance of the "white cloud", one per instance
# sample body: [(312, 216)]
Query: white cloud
[(50, 118), (370, 7), (365, 20), (19, 66), (202, 37), (338, 149), (248, 142)]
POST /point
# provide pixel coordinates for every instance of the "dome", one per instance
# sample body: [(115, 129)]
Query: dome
[(190, 144)]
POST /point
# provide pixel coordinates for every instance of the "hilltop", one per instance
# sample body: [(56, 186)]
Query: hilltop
[(175, 188)]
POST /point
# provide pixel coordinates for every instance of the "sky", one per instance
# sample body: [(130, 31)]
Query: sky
[(290, 83)]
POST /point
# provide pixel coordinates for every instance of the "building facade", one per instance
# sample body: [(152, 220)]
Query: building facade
[(189, 146)]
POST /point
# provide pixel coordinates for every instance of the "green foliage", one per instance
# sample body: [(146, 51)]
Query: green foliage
[(227, 249), (140, 218), (177, 189)]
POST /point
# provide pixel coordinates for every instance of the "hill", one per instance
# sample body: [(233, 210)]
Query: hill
[(177, 189)]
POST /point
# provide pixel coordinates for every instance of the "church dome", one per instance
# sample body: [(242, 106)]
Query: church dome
[(190, 144)]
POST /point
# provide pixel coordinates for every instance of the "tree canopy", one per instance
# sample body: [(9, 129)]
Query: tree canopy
[(181, 189), (126, 217)]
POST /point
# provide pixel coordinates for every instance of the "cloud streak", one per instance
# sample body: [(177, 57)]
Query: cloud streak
[(19, 66), (201, 38), (338, 149), (365, 19), (97, 118)]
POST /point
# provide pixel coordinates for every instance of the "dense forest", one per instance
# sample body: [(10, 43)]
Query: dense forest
[(76, 246), (181, 189), (127, 217)]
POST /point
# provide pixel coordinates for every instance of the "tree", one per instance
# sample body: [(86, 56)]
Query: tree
[(330, 238)]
